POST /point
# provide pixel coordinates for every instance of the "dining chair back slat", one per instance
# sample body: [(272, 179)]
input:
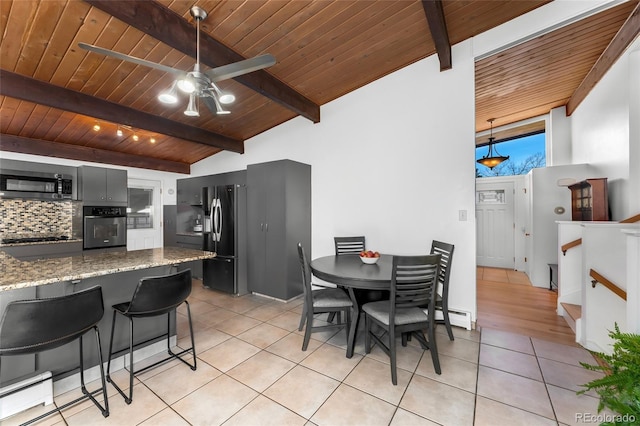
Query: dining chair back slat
[(349, 245)]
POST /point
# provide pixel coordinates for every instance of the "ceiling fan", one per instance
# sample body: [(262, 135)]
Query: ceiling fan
[(197, 84)]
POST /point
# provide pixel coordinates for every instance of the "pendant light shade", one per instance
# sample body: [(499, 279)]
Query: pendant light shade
[(192, 108), (224, 98), (219, 109), (493, 158), (169, 96)]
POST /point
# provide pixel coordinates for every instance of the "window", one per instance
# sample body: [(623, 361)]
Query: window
[(140, 208), (525, 153)]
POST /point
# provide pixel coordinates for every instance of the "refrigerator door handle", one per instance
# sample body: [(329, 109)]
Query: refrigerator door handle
[(220, 218), (214, 223), (211, 224)]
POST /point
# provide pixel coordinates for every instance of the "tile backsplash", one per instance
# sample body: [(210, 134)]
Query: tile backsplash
[(21, 216)]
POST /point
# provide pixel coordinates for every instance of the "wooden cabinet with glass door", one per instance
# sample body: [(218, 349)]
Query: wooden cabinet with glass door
[(589, 200)]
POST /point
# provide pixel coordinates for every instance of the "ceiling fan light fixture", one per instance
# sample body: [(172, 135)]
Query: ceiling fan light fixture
[(223, 97), (169, 96), (186, 85), (219, 109), (227, 98), (192, 108)]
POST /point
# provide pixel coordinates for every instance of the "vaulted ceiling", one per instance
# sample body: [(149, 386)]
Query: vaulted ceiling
[(52, 92)]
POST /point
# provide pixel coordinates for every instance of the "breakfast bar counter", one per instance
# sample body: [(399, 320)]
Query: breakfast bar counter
[(117, 273), (16, 274)]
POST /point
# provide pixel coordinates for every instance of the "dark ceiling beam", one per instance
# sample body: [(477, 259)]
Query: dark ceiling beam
[(623, 38), (23, 145), (170, 28), (39, 92), (438, 27)]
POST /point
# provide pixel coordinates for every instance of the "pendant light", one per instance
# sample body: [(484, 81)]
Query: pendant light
[(493, 158)]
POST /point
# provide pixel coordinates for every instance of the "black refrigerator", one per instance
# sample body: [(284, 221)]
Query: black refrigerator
[(221, 236)]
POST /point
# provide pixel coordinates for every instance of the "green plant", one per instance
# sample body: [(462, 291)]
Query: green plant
[(619, 389)]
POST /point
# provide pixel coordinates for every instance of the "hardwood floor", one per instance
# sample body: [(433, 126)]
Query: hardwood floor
[(507, 301)]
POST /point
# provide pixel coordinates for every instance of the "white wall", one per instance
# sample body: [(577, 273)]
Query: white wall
[(558, 137), (392, 161), (600, 129)]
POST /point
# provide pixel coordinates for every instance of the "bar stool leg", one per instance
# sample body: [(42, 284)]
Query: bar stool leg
[(193, 343), (113, 327), (105, 411), (127, 399)]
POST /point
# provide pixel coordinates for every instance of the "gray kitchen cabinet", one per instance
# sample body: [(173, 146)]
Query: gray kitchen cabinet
[(278, 217), (189, 191), (169, 214), (193, 242), (102, 187)]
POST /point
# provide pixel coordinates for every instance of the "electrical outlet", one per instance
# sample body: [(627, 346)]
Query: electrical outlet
[(462, 215)]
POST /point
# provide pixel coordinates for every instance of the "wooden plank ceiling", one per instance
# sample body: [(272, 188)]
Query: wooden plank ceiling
[(324, 50)]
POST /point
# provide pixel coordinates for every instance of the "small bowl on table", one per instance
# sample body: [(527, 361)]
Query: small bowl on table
[(369, 260)]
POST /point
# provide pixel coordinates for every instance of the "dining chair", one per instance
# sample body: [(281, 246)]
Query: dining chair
[(349, 245), (154, 296), (445, 251), (414, 280), (36, 325), (325, 300)]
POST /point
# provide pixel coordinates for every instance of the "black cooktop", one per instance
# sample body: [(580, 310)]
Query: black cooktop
[(33, 239)]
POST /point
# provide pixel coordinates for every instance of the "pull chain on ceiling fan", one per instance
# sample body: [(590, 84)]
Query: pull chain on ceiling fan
[(197, 84)]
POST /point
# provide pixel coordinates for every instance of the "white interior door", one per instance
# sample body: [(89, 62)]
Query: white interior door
[(144, 229), (495, 224)]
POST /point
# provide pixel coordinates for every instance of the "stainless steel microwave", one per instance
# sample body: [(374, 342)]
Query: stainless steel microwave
[(40, 185)]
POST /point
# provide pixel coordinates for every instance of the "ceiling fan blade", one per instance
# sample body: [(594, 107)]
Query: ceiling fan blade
[(133, 59), (210, 103), (235, 69)]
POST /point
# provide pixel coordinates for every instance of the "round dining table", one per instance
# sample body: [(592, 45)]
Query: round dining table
[(350, 272)]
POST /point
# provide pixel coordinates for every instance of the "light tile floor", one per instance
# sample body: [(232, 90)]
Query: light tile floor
[(252, 371)]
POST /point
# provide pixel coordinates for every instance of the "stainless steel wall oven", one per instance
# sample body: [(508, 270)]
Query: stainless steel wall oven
[(104, 227)]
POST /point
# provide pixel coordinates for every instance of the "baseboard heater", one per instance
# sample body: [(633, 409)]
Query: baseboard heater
[(41, 393), (457, 318)]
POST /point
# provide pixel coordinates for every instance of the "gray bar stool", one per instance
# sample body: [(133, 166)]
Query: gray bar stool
[(153, 296), (36, 325)]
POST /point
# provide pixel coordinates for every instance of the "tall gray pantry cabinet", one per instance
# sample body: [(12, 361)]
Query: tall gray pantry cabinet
[(278, 217)]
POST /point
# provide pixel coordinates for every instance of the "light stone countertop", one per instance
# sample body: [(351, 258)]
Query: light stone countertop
[(16, 273), (32, 243)]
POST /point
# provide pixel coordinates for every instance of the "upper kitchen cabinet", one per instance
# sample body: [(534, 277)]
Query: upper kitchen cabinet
[(102, 187), (278, 217), (190, 191)]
